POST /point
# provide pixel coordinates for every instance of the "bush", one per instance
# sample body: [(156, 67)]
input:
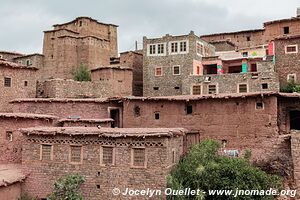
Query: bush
[(203, 168), (291, 87), (82, 74), (25, 196), (67, 187)]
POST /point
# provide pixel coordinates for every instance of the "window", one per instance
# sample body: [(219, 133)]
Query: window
[(107, 156), (224, 143), (198, 70), (177, 88), (291, 49), (245, 54), (28, 62), (80, 23), (196, 89), (259, 105), (183, 46), (200, 48), (264, 86), (156, 115), (46, 152), (173, 156), (25, 83), (158, 71), (189, 109), (286, 30), (155, 88), (9, 136), (243, 88), (139, 157), (160, 48), (75, 155), (248, 38), (1, 56), (174, 47), (176, 70), (212, 89), (137, 111), (152, 49), (7, 82), (291, 77)]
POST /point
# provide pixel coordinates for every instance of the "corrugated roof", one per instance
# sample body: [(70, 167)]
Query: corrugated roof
[(105, 132)]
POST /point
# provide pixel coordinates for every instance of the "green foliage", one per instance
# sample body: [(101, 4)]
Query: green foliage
[(25, 196), (82, 74), (67, 187), (291, 87), (247, 155), (203, 168)]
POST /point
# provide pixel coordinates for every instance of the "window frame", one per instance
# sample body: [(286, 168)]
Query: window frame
[(145, 158), (238, 87), (178, 47), (263, 105), (70, 154), (202, 53), (198, 85), (41, 151), (216, 87), (10, 81), (179, 70), (295, 77), (113, 155), (287, 46), (161, 71)]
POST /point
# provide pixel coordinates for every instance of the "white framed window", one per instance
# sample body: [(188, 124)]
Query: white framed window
[(160, 48), (176, 70), (158, 71), (200, 48), (289, 49), (259, 105), (291, 78), (179, 47), (152, 49)]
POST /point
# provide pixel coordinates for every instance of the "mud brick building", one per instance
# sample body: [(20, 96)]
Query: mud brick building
[(16, 81), (81, 41), (170, 59), (10, 140), (107, 158), (9, 56), (287, 58)]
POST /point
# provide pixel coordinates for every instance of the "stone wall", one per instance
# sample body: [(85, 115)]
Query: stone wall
[(110, 86), (228, 83), (100, 180), (295, 148), (10, 192), (169, 84)]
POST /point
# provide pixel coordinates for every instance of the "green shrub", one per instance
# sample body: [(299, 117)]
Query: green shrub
[(205, 169), (291, 87), (82, 74)]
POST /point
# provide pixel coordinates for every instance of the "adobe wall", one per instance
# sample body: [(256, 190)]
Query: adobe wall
[(295, 148), (233, 119), (63, 108), (275, 29), (18, 88), (11, 150), (119, 85), (44, 173), (287, 63), (10, 192)]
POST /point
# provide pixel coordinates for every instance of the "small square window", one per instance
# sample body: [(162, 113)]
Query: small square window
[(291, 49), (189, 109), (158, 71), (243, 88), (248, 38), (176, 70), (245, 54), (259, 105), (286, 30), (75, 156), (155, 88), (46, 152), (7, 82), (156, 115), (291, 78), (196, 89), (1, 56), (265, 86), (25, 83), (139, 157)]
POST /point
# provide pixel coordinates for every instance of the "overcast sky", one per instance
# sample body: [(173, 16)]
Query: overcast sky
[(23, 22)]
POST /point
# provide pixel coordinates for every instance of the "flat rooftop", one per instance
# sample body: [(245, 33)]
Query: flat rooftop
[(105, 132)]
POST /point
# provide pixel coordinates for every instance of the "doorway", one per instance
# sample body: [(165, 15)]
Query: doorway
[(295, 120), (115, 114)]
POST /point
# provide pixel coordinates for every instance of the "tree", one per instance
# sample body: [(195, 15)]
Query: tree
[(291, 87), (67, 187), (82, 74), (205, 169)]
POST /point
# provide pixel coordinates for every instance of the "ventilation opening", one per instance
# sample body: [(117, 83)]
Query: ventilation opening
[(156, 115), (189, 109), (295, 120)]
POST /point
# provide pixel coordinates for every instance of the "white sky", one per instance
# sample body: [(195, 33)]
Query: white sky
[(23, 21)]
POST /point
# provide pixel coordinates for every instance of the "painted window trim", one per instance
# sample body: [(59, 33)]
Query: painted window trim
[(156, 49), (162, 72), (178, 47), (174, 70), (294, 45)]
